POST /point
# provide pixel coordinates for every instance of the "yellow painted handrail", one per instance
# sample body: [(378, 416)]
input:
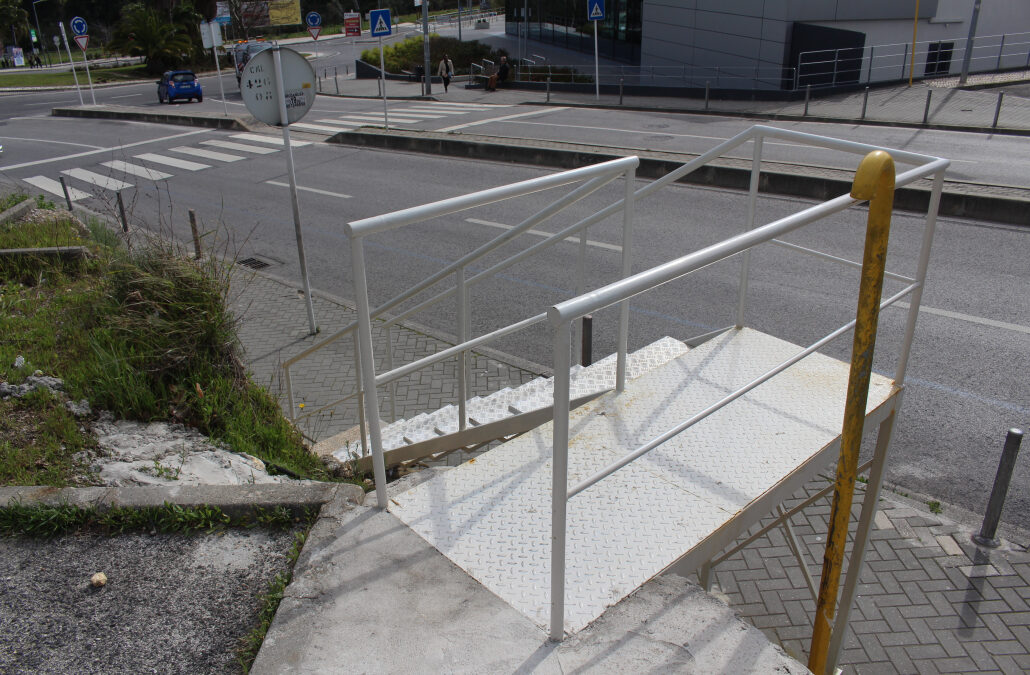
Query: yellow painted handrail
[(874, 181)]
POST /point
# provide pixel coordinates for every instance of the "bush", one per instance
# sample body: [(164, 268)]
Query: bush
[(408, 54)]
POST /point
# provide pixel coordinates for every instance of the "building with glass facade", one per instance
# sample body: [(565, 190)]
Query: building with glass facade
[(564, 23)]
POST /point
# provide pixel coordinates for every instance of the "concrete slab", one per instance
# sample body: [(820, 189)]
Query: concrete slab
[(369, 595)]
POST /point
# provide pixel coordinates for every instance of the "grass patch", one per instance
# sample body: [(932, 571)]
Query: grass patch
[(38, 441), (935, 506), (270, 601), (17, 519), (7, 201), (144, 334), (44, 78)]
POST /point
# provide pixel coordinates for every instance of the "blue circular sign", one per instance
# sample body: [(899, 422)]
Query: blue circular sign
[(78, 25), (313, 19)]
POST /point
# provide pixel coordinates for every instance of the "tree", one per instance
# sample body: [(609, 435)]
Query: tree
[(143, 32), (13, 19)]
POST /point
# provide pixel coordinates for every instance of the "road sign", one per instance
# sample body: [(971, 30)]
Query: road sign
[(57, 41), (78, 25), (379, 19), (82, 41), (32, 34), (314, 31), (352, 24), (595, 10), (313, 19), (257, 86)]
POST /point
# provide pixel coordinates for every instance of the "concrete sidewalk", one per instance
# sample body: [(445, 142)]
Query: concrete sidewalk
[(929, 601)]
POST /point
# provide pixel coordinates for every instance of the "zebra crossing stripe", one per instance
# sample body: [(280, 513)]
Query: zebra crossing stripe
[(342, 126), (136, 170), (365, 119), (271, 140), (434, 112), (54, 187), (317, 127), (409, 112), (97, 179), (241, 147), (206, 154), (172, 161), (471, 106)]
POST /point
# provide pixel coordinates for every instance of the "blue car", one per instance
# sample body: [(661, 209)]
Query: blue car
[(179, 84)]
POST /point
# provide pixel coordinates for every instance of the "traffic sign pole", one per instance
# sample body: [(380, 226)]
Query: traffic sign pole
[(72, 62), (597, 69), (89, 78), (380, 23), (382, 79), (285, 121), (595, 13)]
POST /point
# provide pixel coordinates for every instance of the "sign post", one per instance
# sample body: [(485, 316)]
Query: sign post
[(278, 87), (595, 13), (380, 22), (211, 35), (314, 23), (78, 25), (72, 62)]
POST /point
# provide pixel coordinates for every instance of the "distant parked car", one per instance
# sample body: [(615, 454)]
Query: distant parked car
[(179, 84)]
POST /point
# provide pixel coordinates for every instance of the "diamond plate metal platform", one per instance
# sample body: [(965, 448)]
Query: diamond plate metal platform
[(492, 515)]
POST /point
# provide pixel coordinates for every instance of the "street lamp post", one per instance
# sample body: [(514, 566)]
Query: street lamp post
[(39, 33)]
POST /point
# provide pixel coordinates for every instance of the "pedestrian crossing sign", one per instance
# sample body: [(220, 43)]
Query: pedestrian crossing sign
[(595, 10), (379, 19)]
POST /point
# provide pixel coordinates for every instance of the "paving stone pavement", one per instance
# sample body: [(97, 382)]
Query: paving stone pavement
[(929, 601)]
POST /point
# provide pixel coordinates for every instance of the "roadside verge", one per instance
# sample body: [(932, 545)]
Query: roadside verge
[(209, 120)]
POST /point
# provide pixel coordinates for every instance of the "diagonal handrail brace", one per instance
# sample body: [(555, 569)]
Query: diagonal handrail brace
[(874, 181)]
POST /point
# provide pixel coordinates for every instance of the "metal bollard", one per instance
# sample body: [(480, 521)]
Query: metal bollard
[(865, 102), (808, 96), (548, 88), (708, 88), (121, 212), (622, 81), (67, 195), (1000, 489), (196, 235), (587, 341), (997, 110), (926, 110)]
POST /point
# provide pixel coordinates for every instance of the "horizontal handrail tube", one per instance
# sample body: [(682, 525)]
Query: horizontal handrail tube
[(390, 221), (842, 145), (582, 192), (836, 259), (407, 369), (723, 402), (625, 289)]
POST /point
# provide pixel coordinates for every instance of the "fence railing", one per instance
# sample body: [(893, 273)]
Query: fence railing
[(742, 77)]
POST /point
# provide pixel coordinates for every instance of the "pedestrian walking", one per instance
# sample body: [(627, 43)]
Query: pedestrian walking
[(445, 71), (502, 72)]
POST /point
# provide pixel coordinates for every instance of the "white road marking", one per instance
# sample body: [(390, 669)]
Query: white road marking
[(271, 140), (435, 112), (97, 179), (541, 233), (47, 140), (242, 147), (502, 119), (307, 189), (126, 96), (418, 114), (54, 187), (206, 154), (173, 161), (137, 170), (449, 104), (100, 150), (340, 123), (394, 119), (317, 127), (1004, 325)]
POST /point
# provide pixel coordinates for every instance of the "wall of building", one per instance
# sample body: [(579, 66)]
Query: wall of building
[(746, 43)]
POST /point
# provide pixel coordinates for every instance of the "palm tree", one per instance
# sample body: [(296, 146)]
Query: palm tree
[(142, 32)]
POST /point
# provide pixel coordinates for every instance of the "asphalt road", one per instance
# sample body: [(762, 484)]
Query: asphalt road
[(967, 373)]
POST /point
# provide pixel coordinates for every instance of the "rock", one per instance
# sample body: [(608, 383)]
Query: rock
[(19, 361), (99, 579), (80, 409), (31, 384)]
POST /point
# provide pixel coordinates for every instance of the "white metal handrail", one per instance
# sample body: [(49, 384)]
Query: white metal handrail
[(591, 179), (563, 314)]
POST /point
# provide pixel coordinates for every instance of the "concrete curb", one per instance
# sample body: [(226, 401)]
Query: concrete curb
[(236, 123), (959, 199), (235, 500), (18, 210)]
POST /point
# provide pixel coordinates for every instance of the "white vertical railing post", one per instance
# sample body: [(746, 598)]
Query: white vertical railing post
[(581, 288), (389, 366), (361, 399), (920, 276), (461, 295), (368, 369), (627, 270), (559, 476), (745, 261)]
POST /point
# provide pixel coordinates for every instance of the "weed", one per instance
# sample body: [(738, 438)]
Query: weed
[(862, 479), (44, 203), (935, 506), (270, 601), (7, 201)]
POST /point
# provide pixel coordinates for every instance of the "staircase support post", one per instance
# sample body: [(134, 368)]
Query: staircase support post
[(560, 476), (627, 270), (745, 259), (461, 296), (874, 181)]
